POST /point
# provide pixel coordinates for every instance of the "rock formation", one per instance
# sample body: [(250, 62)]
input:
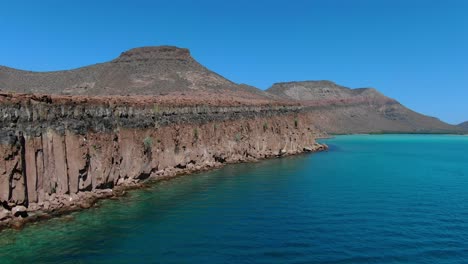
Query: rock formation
[(60, 153), (340, 110)]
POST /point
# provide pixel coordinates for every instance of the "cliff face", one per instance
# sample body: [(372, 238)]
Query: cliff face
[(340, 110), (57, 153)]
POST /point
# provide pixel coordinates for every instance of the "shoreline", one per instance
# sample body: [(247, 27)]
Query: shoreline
[(61, 205)]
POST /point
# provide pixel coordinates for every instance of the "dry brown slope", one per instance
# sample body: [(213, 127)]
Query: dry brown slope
[(340, 110), (464, 125), (162, 71)]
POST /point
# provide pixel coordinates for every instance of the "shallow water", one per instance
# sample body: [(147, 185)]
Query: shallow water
[(370, 199)]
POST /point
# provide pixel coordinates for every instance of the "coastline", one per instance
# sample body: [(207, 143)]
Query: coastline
[(67, 204)]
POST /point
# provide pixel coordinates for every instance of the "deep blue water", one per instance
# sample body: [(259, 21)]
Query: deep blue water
[(370, 199)]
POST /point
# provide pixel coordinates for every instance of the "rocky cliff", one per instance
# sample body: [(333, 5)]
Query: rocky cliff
[(60, 153), (341, 110)]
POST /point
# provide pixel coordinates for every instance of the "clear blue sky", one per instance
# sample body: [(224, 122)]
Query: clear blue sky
[(414, 51)]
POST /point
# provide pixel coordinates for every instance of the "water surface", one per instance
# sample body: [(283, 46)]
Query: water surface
[(370, 199)]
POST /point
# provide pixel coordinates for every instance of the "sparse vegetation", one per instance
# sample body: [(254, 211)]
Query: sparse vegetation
[(147, 144), (296, 122), (237, 137), (195, 134), (156, 109), (265, 127)]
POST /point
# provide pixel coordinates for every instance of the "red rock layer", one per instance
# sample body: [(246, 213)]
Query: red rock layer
[(49, 170)]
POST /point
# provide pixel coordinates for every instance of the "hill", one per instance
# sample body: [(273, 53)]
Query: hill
[(341, 110)]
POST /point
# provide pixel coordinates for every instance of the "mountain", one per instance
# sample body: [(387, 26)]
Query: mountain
[(161, 71), (341, 110), (464, 125), (168, 72)]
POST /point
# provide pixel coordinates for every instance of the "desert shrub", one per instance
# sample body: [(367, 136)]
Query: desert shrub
[(156, 109), (195, 134), (237, 137), (147, 143)]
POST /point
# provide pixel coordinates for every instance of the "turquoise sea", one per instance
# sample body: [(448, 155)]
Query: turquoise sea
[(370, 199)]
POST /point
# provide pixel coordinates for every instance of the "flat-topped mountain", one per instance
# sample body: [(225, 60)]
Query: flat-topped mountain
[(142, 71), (338, 109)]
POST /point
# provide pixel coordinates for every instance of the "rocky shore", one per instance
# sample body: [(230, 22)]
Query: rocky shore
[(62, 154), (17, 216)]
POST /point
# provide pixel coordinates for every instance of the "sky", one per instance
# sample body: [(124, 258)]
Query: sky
[(411, 50)]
